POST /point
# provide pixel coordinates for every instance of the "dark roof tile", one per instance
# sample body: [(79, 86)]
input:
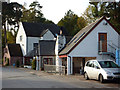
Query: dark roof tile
[(15, 50), (37, 29)]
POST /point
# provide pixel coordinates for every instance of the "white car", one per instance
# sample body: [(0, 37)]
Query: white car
[(101, 70)]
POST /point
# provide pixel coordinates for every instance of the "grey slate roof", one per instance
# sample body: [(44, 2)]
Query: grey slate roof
[(15, 50), (47, 47), (30, 54), (78, 37), (38, 29)]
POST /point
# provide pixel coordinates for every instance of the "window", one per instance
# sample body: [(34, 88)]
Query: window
[(96, 65), (90, 64), (101, 37), (35, 45), (21, 38), (108, 64), (87, 64)]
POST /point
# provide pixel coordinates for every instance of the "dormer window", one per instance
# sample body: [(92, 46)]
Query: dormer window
[(21, 38)]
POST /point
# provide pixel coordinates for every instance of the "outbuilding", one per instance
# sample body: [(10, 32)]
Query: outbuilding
[(12, 54)]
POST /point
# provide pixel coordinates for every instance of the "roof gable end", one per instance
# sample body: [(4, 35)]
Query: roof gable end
[(82, 34)]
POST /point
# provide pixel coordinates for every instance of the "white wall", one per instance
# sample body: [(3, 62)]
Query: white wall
[(89, 46), (60, 40), (27, 42), (22, 43)]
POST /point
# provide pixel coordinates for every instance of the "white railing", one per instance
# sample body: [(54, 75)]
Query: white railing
[(54, 69), (108, 46)]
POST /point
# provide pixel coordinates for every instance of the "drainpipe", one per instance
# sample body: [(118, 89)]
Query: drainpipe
[(70, 63)]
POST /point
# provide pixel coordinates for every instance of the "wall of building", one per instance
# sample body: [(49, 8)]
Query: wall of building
[(6, 55), (89, 46), (31, 41), (60, 43), (22, 42)]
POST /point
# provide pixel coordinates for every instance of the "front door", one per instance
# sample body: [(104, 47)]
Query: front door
[(103, 42)]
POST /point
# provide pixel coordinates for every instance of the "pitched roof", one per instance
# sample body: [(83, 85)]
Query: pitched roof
[(15, 50), (47, 47), (38, 29), (81, 35), (30, 54)]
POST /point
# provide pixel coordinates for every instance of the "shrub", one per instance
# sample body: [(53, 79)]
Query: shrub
[(17, 63), (7, 63), (34, 64)]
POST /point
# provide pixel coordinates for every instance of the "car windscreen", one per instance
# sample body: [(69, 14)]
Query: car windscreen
[(108, 64)]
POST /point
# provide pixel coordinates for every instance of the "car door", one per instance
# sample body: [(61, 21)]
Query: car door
[(89, 69), (95, 70)]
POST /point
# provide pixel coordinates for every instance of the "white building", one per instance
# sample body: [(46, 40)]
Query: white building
[(29, 35), (98, 40)]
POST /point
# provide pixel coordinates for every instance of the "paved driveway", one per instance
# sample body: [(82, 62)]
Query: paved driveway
[(25, 78)]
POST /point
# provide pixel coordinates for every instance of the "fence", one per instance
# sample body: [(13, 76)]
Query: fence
[(54, 69)]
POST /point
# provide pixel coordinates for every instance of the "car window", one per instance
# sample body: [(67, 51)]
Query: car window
[(96, 65), (87, 64), (108, 64), (90, 64)]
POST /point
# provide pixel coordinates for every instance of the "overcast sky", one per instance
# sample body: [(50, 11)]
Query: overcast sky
[(55, 9)]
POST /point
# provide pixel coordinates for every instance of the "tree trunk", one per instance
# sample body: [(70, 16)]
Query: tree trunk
[(5, 34)]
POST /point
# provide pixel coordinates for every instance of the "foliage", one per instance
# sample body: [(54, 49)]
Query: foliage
[(34, 14), (72, 22), (88, 14), (10, 38), (11, 13), (98, 9), (34, 64), (17, 63), (7, 62)]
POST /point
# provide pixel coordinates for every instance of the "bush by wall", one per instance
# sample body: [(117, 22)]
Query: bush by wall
[(7, 62), (17, 63), (34, 64)]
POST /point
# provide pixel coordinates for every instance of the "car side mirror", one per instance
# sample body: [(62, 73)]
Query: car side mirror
[(97, 67)]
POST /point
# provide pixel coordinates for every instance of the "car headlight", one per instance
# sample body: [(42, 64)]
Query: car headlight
[(109, 73)]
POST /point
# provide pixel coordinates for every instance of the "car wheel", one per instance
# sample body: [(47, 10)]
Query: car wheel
[(101, 79), (86, 76)]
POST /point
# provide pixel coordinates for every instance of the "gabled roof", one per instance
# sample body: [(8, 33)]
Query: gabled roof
[(30, 54), (81, 35), (38, 29), (15, 50), (47, 47)]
